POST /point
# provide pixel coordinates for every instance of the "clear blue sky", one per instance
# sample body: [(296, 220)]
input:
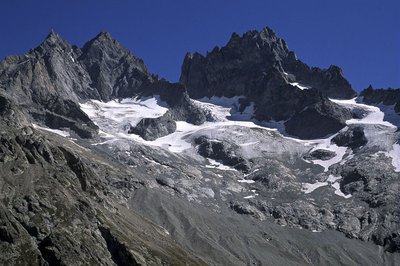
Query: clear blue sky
[(361, 36)]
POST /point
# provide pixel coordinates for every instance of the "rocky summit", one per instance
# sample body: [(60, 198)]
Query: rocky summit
[(253, 158)]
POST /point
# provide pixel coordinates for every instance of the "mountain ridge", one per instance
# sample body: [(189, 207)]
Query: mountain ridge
[(102, 161)]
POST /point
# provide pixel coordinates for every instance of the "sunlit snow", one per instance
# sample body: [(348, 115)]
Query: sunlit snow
[(114, 119), (308, 187), (246, 181), (375, 115), (301, 87), (114, 116), (326, 144), (382, 115), (332, 181)]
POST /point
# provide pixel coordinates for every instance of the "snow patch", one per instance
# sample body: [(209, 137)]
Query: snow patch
[(217, 165), (224, 108), (301, 87), (332, 181), (251, 196), (338, 192), (56, 131), (326, 144), (117, 116), (255, 171), (390, 114), (395, 155), (308, 187), (374, 114), (246, 181)]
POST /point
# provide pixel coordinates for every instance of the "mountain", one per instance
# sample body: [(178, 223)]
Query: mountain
[(382, 96), (260, 66), (253, 158)]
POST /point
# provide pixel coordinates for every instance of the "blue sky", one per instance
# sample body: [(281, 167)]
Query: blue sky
[(360, 36)]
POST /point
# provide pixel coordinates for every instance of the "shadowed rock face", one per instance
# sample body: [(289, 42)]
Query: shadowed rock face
[(260, 66), (113, 70), (384, 96), (318, 120), (254, 63), (354, 138)]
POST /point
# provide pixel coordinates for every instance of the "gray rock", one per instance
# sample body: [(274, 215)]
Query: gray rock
[(154, 128), (384, 96), (318, 120), (320, 154), (260, 66), (114, 71), (353, 138), (57, 206), (221, 151)]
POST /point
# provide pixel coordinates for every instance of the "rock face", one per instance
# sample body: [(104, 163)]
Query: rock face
[(318, 120), (48, 84), (384, 96), (51, 80), (53, 210), (114, 70), (221, 151), (153, 128), (181, 106), (254, 64), (321, 154), (260, 66), (354, 138)]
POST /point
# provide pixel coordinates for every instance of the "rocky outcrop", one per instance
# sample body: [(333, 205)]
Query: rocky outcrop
[(318, 120), (222, 151), (181, 108), (154, 128), (320, 154), (374, 182), (114, 71), (353, 138), (58, 204), (48, 83), (384, 96), (260, 66), (253, 63)]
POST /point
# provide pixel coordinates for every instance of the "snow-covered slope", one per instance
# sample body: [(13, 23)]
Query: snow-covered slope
[(380, 125), (114, 119)]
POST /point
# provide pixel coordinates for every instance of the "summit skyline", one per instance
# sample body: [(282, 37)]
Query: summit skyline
[(359, 37)]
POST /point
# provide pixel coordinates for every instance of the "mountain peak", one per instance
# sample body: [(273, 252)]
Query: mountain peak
[(104, 41), (52, 41), (53, 38), (104, 36)]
